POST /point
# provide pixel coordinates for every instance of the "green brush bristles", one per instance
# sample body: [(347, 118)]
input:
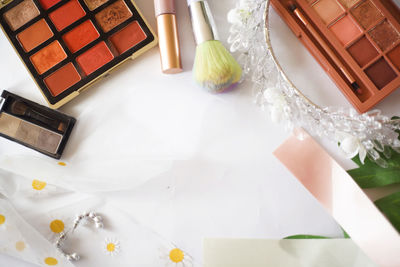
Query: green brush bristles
[(215, 69)]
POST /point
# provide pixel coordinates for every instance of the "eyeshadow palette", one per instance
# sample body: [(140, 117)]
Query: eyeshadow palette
[(362, 36), (69, 44), (34, 126)]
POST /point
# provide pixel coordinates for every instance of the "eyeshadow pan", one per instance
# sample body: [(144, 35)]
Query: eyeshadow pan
[(38, 137), (128, 37), (384, 35), (48, 57), (62, 79), (46, 4), (48, 141), (346, 30), (35, 35), (94, 58), (28, 133), (113, 15), (21, 14), (9, 124), (367, 14), (67, 45), (349, 3), (394, 56), (67, 14), (93, 4), (328, 10), (81, 36), (363, 51), (380, 73)]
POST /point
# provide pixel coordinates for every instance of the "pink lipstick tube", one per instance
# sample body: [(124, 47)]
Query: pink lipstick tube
[(168, 36)]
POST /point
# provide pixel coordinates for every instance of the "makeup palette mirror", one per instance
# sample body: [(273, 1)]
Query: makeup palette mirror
[(360, 36)]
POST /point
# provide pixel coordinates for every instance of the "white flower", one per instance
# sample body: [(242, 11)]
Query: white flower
[(240, 14), (234, 16), (277, 104), (246, 4), (111, 246), (351, 146), (175, 257)]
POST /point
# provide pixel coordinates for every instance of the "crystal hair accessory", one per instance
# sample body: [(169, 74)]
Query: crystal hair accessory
[(371, 134)]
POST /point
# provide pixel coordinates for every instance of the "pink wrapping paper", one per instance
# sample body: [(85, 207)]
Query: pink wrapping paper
[(330, 184)]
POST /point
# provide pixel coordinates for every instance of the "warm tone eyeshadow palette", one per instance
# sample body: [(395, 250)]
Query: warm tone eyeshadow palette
[(357, 42), (68, 44), (34, 126)]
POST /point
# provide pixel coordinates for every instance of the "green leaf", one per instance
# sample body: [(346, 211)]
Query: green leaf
[(306, 237), (345, 234), (371, 175), (390, 206)]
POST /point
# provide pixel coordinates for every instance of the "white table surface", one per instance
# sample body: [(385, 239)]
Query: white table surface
[(252, 176)]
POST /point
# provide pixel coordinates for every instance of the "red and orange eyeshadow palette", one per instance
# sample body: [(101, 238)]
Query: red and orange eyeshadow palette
[(363, 34), (68, 44)]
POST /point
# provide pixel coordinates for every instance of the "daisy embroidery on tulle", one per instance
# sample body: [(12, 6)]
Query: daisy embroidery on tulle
[(39, 187), (54, 225), (50, 261), (111, 246), (175, 257), (3, 221), (20, 245)]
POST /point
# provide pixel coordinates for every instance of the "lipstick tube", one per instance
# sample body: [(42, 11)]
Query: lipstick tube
[(168, 36)]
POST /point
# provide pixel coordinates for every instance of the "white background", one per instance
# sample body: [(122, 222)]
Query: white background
[(255, 196)]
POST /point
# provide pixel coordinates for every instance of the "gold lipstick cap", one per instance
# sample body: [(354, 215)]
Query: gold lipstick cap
[(169, 44)]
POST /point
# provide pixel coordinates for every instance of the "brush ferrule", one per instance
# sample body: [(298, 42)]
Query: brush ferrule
[(202, 22), (2, 101)]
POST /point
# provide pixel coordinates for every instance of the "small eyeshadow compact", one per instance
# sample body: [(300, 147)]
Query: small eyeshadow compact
[(69, 44), (357, 42), (35, 126)]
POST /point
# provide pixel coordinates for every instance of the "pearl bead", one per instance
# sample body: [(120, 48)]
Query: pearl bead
[(75, 256)]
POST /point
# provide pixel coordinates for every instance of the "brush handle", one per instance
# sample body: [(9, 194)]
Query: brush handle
[(192, 1), (52, 123), (202, 21)]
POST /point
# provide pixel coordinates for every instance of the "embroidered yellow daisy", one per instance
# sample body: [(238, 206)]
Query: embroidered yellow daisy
[(53, 225), (175, 257), (111, 246), (20, 245), (57, 226), (39, 187), (3, 221), (50, 261)]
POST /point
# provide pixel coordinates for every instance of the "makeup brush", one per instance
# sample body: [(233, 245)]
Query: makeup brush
[(354, 85), (22, 109), (214, 68)]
